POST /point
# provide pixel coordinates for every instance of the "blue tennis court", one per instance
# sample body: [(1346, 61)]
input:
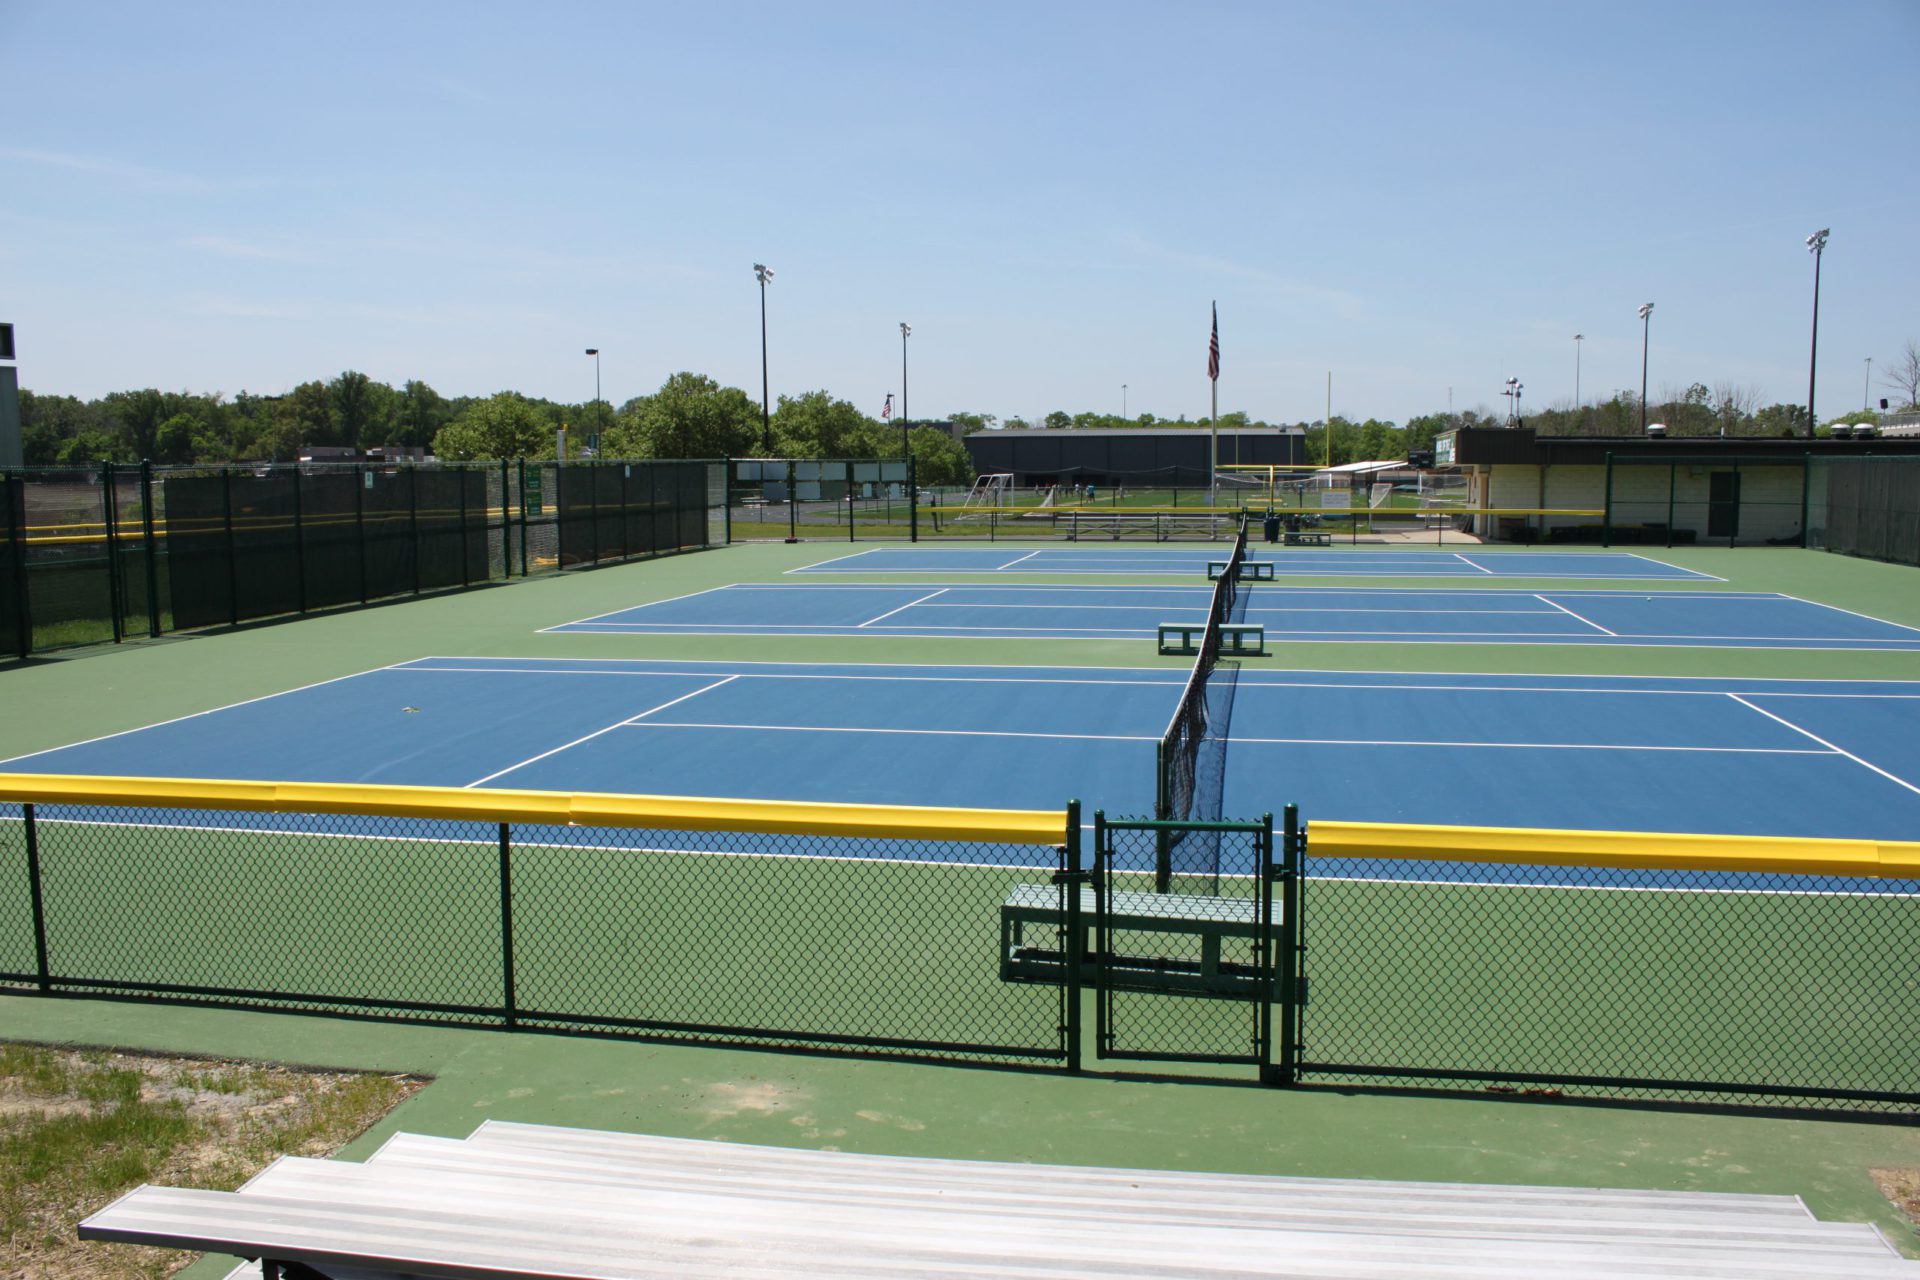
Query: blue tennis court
[(1757, 757), (1292, 562), (1291, 614)]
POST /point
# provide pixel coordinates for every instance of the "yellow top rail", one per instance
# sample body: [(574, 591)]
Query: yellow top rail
[(1636, 850), (560, 808)]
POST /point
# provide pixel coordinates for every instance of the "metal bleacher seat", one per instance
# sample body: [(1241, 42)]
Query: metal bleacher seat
[(519, 1200)]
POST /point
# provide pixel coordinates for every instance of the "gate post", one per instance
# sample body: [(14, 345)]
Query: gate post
[(1072, 876), (1290, 949)]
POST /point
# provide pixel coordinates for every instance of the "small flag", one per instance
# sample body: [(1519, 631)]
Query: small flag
[(1213, 347), (886, 411)]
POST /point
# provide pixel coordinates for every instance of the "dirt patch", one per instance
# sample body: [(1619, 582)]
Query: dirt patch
[(1902, 1187), (79, 1128)]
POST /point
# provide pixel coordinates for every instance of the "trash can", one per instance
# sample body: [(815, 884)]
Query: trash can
[(1271, 527)]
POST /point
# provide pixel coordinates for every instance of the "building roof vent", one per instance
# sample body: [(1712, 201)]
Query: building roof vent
[(1863, 431), (1841, 430), (1657, 430)]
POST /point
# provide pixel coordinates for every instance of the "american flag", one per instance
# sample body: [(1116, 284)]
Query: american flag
[(886, 410), (1213, 346)]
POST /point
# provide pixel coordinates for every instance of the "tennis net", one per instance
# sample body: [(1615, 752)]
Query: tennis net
[(1177, 758)]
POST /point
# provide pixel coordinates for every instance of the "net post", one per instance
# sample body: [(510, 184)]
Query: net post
[(149, 556), (509, 1005), (1074, 876), (42, 977)]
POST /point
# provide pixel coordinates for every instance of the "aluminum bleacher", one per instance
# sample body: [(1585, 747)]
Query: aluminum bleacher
[(514, 1201)]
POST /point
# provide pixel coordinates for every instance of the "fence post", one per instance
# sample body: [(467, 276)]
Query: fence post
[(42, 975), (16, 487), (913, 501), (1806, 485), (726, 499), (506, 530), (362, 473), (523, 517), (233, 553), (108, 511), (1288, 947), (460, 479), (1073, 876), (510, 1007), (1606, 506), (413, 520), (1673, 483), (299, 540), (149, 556)]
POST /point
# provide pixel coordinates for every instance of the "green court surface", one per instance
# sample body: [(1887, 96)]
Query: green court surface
[(1182, 1118)]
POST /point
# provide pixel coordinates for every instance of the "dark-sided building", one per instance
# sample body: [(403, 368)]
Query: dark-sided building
[(1140, 456)]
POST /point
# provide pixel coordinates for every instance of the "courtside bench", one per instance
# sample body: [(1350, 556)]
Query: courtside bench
[(1250, 570), (1245, 638), (1309, 538), (1210, 920)]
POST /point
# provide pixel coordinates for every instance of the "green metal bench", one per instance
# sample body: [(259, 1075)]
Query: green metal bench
[(1242, 638), (1211, 921), (1309, 538)]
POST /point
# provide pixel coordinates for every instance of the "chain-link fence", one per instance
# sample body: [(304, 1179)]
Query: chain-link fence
[(1646, 983), (101, 553), (769, 937)]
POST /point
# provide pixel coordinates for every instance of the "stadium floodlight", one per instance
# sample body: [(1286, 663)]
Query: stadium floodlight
[(763, 273), (1646, 325), (1816, 245)]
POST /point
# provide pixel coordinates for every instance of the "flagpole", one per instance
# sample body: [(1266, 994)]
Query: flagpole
[(1213, 423)]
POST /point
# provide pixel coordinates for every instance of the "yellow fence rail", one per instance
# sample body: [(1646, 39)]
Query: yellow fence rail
[(559, 808)]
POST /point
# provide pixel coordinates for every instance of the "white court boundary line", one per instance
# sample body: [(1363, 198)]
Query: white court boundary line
[(903, 608), (1571, 614), (928, 733), (1237, 740), (500, 773), (1890, 777), (194, 715)]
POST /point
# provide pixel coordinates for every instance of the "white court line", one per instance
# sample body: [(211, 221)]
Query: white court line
[(558, 626), (597, 732), (1571, 614), (1030, 555), (903, 608), (1482, 568), (1664, 564), (1073, 588), (1898, 781), (818, 564), (758, 675), (209, 711), (1237, 739), (927, 733), (1854, 614)]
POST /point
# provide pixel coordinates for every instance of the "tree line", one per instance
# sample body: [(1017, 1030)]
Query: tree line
[(690, 416), (693, 416)]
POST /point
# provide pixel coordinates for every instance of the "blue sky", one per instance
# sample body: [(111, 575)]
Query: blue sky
[(1416, 197)]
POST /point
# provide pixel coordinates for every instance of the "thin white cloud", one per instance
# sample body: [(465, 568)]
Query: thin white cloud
[(215, 304), (228, 247), (121, 171), (1348, 306)]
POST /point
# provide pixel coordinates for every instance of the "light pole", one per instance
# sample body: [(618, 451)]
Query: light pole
[(764, 273), (595, 353), (1514, 387), (906, 449), (1576, 369), (1816, 245), (1123, 401), (1866, 386), (1646, 328)]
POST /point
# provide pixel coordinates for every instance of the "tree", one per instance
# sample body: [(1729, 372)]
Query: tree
[(352, 418), (815, 425), (506, 426), (1058, 420), (973, 421), (421, 413), (1902, 376), (691, 416)]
